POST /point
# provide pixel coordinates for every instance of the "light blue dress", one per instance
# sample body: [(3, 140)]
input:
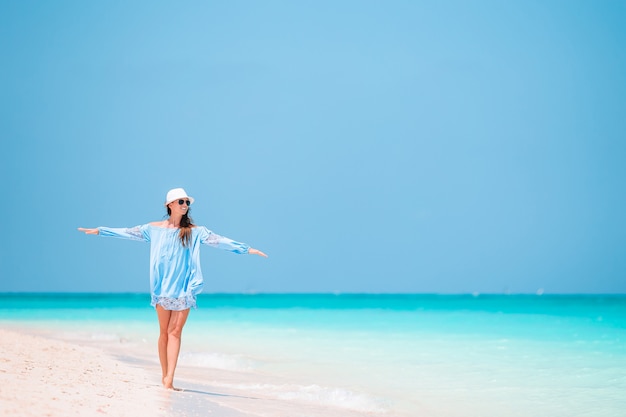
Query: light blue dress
[(175, 274)]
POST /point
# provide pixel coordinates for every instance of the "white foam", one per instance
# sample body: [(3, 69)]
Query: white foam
[(318, 395), (335, 397), (217, 361)]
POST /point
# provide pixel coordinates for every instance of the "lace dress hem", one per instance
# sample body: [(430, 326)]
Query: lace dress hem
[(176, 304)]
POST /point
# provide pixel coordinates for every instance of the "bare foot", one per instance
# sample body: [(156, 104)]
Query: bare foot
[(168, 383)]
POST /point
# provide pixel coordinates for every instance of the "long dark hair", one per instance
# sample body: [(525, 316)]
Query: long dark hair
[(186, 223)]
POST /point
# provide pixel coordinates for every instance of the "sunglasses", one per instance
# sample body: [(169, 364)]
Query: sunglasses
[(181, 202)]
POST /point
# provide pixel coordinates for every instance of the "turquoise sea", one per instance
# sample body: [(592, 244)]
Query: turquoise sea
[(361, 354)]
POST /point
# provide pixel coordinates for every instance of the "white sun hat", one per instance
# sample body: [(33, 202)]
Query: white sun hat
[(177, 194)]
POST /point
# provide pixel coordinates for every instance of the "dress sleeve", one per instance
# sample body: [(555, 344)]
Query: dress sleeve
[(207, 237), (139, 233)]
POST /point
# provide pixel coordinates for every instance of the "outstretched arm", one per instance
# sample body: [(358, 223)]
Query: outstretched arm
[(253, 251), (207, 237), (132, 233)]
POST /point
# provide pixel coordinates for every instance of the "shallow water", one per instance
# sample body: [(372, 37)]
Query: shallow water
[(392, 355)]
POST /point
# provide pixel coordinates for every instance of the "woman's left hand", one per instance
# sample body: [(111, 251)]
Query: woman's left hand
[(252, 251)]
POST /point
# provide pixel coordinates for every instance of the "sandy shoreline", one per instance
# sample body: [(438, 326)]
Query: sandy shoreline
[(45, 377)]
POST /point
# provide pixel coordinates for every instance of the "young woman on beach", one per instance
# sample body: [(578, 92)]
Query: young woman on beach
[(175, 274)]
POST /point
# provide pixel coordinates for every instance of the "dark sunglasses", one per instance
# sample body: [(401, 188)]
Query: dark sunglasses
[(181, 202)]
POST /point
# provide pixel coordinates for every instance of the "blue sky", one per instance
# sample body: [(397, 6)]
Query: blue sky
[(366, 146)]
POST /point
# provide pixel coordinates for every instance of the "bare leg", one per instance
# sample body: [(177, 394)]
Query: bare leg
[(164, 320), (171, 325)]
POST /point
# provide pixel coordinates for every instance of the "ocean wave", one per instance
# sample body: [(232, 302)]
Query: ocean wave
[(318, 395)]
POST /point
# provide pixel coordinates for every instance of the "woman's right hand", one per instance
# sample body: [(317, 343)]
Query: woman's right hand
[(89, 231)]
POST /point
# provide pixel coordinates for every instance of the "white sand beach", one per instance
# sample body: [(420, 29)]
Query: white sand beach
[(45, 377)]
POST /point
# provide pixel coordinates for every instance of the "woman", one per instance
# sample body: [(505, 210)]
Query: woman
[(175, 274)]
